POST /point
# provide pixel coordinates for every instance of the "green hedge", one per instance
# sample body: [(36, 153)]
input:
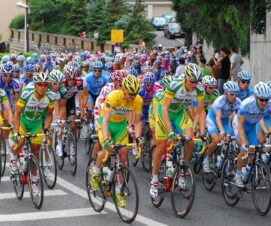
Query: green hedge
[(17, 22)]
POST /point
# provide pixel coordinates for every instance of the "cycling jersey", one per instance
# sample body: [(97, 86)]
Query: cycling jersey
[(158, 95), (3, 98), (94, 84), (24, 80), (243, 94), (209, 98), (61, 93), (147, 97), (159, 72), (80, 84), (119, 107), (48, 66), (12, 87)]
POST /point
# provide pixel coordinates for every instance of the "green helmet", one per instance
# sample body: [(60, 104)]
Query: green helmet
[(56, 76), (192, 71), (41, 77), (167, 79)]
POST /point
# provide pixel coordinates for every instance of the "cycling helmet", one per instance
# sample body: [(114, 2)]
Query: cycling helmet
[(29, 60), (48, 57), (167, 79), (97, 65), (70, 72), (36, 68), (244, 75), (8, 67), (130, 57), (83, 54), (158, 62), (136, 64), (133, 72), (5, 59), (74, 64), (29, 67), (118, 75), (20, 58), (149, 78), (13, 57), (16, 67), (56, 76), (60, 60), (209, 81), (143, 59), (262, 90), (85, 63), (41, 77), (192, 71), (230, 87), (131, 84), (269, 83)]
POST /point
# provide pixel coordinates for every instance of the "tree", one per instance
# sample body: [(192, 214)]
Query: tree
[(114, 10), (139, 27)]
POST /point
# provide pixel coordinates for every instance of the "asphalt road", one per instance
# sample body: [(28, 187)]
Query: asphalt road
[(161, 39), (68, 205)]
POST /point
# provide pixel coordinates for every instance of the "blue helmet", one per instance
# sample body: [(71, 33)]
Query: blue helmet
[(35, 55), (83, 54), (136, 64), (5, 59), (97, 65), (149, 78), (8, 67), (262, 90), (29, 67), (244, 75), (20, 58), (231, 87), (133, 72)]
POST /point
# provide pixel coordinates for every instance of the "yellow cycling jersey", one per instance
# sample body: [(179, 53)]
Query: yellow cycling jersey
[(119, 107)]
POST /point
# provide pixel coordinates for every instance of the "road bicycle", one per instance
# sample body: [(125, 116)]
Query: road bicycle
[(256, 180), (114, 174), (3, 150)]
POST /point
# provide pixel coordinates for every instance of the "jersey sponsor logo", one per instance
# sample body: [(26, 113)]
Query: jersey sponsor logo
[(174, 84), (107, 105), (121, 111), (26, 93)]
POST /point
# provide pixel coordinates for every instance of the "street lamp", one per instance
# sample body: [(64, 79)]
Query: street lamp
[(26, 41)]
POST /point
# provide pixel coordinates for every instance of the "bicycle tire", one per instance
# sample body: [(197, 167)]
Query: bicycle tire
[(198, 162), (157, 202), (209, 180), (126, 191), (50, 182), (87, 145), (146, 157), (230, 196), (261, 177), (72, 157), (92, 194), (186, 170), (131, 154), (59, 159), (3, 153), (17, 180), (37, 203)]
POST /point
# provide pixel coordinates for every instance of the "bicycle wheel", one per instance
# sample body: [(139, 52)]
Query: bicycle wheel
[(229, 189), (182, 196), (87, 145), (261, 191), (48, 166), (133, 153), (72, 150), (35, 182), (146, 157), (97, 199), (3, 157), (17, 179), (209, 179), (59, 159), (198, 160), (157, 202), (129, 191)]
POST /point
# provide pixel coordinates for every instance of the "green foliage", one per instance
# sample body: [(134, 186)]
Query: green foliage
[(258, 15), (17, 22)]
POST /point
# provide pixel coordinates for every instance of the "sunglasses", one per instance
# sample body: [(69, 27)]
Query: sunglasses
[(232, 94), (193, 81), (8, 75), (210, 87), (245, 81), (148, 84), (263, 100), (132, 94), (71, 79), (98, 70), (42, 84), (56, 83)]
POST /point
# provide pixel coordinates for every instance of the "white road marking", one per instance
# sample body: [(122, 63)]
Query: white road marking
[(82, 193), (42, 215), (6, 178), (27, 194)]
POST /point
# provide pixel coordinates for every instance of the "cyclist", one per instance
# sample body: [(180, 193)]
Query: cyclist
[(28, 118), (172, 109), (20, 62), (158, 70), (49, 64), (113, 125), (210, 91), (246, 90), (27, 77), (252, 111), (219, 119)]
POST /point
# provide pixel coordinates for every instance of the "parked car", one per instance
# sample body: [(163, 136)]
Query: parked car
[(159, 22), (170, 18), (173, 30)]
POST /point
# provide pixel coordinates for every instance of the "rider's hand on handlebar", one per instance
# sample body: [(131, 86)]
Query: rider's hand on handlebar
[(244, 147), (267, 137), (139, 140), (107, 143)]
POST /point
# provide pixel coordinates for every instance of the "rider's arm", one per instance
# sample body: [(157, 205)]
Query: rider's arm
[(83, 100), (263, 125), (138, 125), (17, 114), (218, 117), (49, 117), (241, 131), (106, 118), (165, 107), (154, 109), (62, 109), (16, 97), (8, 112), (202, 118)]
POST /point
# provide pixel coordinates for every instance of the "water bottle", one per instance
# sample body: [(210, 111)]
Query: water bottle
[(107, 173), (218, 161), (265, 157), (169, 166)]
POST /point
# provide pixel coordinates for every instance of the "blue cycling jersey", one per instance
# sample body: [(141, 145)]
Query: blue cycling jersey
[(243, 94), (13, 85), (94, 84), (159, 72), (222, 104), (147, 97), (25, 81)]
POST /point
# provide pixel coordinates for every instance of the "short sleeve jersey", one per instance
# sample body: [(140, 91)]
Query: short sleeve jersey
[(3, 98), (209, 98), (94, 84), (119, 107), (158, 95), (32, 107), (180, 96), (243, 94), (252, 112)]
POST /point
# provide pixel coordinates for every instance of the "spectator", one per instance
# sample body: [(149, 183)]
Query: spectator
[(236, 62), (205, 70), (212, 67), (178, 53), (181, 68), (224, 70)]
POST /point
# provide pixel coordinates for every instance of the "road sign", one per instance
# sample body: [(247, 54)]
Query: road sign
[(117, 35)]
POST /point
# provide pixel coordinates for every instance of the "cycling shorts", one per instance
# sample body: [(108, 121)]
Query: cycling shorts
[(145, 116), (212, 126), (32, 127), (250, 132), (117, 131), (267, 123), (181, 120), (71, 106), (92, 98)]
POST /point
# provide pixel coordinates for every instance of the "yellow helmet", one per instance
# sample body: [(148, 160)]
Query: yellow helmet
[(131, 84)]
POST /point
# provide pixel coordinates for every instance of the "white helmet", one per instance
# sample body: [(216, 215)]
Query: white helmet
[(56, 75), (192, 71), (209, 81), (231, 87), (262, 90), (41, 77)]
